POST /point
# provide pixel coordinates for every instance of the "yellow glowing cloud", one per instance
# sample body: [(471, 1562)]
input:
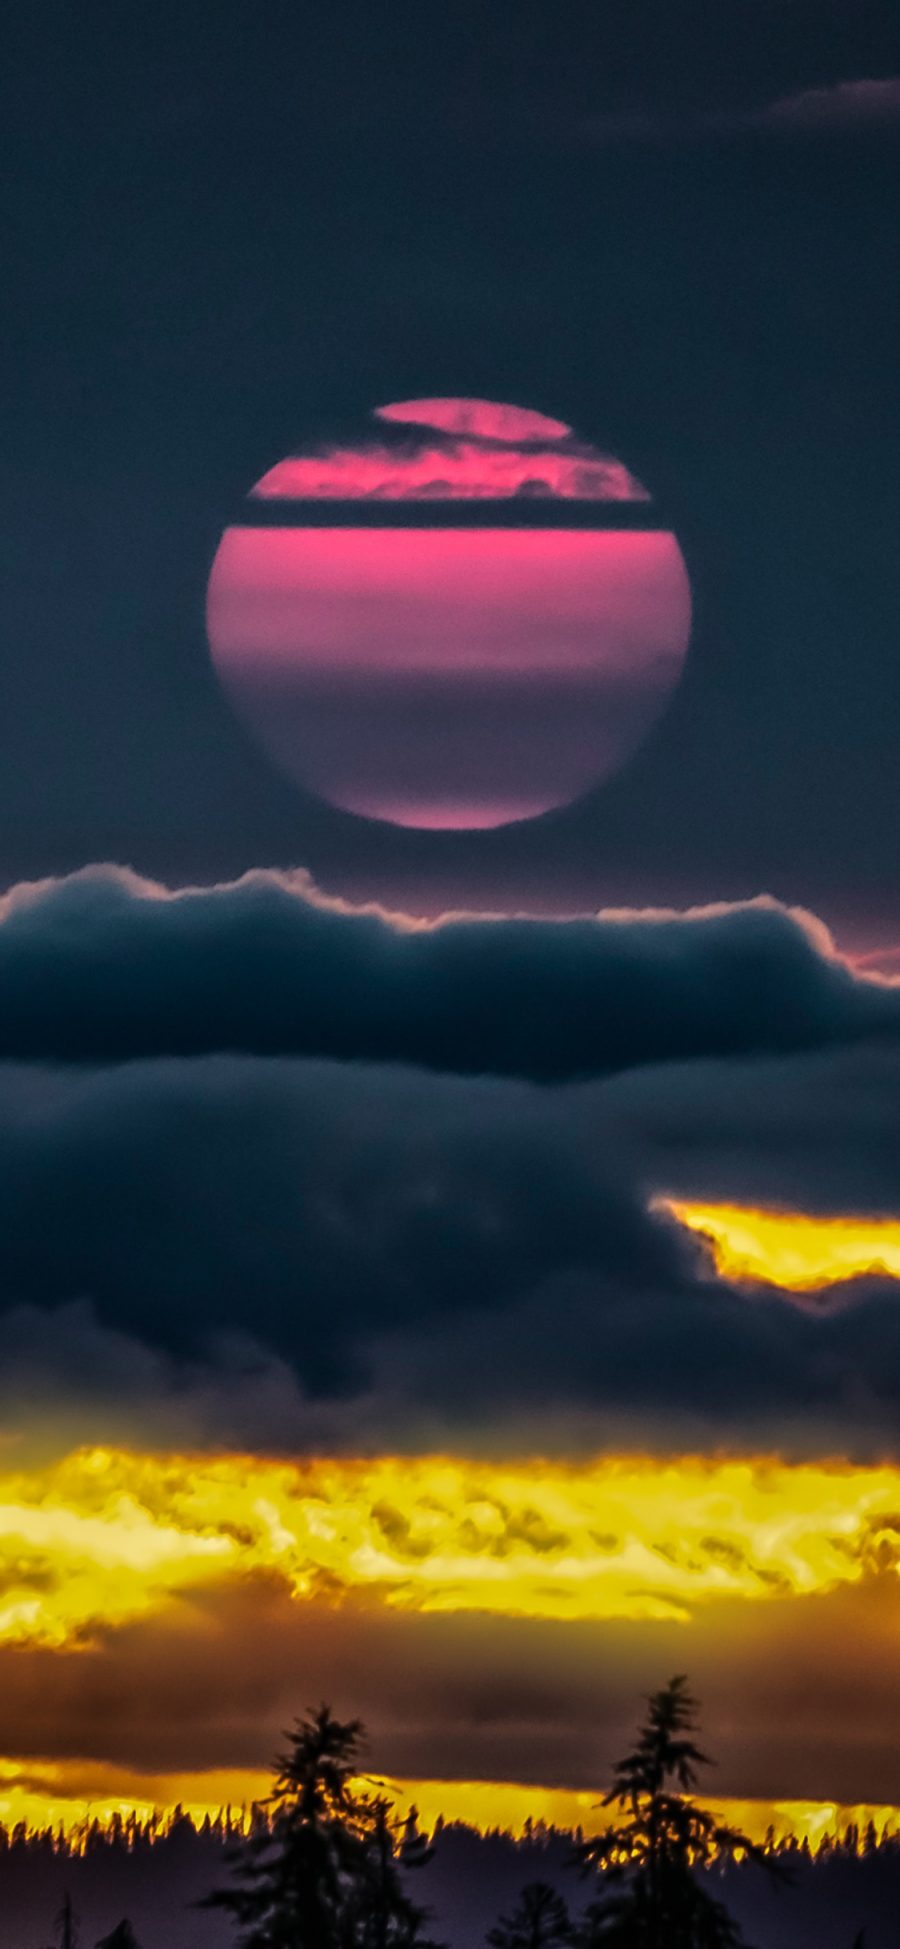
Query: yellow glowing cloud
[(106, 1536), (791, 1249)]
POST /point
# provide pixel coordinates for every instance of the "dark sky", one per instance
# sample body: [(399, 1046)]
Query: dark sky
[(234, 229)]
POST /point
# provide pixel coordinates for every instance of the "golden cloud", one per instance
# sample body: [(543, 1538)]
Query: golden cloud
[(794, 1250), (105, 1537)]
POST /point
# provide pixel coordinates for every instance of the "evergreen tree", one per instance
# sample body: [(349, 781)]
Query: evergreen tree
[(541, 1921), (652, 1898), (325, 1870), (122, 1937), (381, 1915)]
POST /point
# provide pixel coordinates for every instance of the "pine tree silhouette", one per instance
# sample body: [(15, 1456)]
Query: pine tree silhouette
[(325, 1871), (541, 1921), (380, 1912), (652, 1898)]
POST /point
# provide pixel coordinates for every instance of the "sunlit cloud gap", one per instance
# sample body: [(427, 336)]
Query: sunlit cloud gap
[(793, 1250), (106, 1537)]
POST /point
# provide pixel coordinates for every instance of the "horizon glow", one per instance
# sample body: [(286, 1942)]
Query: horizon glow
[(72, 1796)]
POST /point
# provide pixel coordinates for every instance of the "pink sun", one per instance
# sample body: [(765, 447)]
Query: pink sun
[(466, 618)]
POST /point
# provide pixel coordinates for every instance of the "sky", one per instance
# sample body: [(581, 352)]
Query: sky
[(450, 1271)]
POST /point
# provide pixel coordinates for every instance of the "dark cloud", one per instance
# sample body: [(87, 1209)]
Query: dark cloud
[(815, 1133), (67, 1379), (317, 1206), (296, 1254), (103, 966), (578, 1366)]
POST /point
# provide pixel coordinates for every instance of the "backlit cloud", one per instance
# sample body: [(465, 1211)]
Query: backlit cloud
[(105, 966)]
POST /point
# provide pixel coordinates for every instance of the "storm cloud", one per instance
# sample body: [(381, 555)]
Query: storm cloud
[(314, 1205)]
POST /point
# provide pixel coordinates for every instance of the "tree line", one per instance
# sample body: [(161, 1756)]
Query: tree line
[(328, 1863)]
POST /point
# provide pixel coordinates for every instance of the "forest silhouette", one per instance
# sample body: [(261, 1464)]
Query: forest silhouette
[(327, 1862)]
